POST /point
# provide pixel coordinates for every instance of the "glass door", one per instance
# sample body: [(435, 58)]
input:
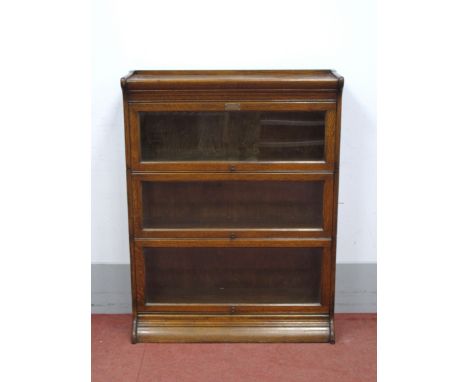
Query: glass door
[(232, 205), (206, 136), (237, 277)]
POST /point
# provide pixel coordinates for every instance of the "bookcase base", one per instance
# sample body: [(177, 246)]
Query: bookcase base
[(232, 328)]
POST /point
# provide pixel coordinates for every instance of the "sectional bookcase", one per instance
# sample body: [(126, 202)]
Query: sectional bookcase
[(232, 180)]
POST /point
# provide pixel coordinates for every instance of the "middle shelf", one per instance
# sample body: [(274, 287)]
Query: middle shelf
[(232, 204)]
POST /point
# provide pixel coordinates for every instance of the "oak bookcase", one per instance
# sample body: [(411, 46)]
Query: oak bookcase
[(232, 180)]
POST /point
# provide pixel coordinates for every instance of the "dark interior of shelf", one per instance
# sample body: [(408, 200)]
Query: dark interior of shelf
[(232, 136), (232, 204), (233, 275)]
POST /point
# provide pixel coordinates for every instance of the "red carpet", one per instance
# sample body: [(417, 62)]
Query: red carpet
[(352, 358)]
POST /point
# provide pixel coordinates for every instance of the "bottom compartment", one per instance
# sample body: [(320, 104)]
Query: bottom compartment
[(233, 275), (217, 290)]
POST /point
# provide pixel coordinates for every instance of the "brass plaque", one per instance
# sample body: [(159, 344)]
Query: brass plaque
[(232, 106)]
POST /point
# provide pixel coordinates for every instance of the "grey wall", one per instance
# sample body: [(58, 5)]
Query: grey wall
[(356, 288)]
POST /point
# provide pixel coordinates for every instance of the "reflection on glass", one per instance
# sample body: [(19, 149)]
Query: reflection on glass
[(232, 136)]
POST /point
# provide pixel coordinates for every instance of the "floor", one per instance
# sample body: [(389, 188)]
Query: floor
[(352, 358)]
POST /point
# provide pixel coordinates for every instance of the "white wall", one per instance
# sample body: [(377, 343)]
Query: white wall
[(250, 34)]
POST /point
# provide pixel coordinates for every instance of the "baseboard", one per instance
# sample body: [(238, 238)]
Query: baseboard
[(356, 288)]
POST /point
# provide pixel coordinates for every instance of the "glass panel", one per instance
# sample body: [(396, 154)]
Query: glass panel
[(232, 136), (232, 204), (233, 275)]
